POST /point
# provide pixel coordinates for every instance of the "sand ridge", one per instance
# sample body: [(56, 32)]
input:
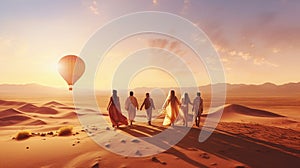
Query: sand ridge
[(245, 137)]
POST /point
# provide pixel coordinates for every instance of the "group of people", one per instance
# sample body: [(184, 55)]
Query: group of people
[(171, 108), (131, 105)]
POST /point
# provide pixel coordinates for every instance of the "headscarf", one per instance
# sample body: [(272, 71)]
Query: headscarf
[(185, 98)]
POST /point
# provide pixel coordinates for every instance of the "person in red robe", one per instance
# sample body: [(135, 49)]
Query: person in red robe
[(114, 110)]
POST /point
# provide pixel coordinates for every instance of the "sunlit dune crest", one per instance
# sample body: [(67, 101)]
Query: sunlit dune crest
[(45, 110), (231, 109), (30, 108), (15, 119), (53, 103), (20, 119), (9, 112), (68, 115)]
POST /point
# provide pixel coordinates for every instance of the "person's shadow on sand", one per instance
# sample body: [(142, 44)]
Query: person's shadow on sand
[(249, 151), (146, 131)]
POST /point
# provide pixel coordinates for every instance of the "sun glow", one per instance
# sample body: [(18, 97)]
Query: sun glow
[(153, 77)]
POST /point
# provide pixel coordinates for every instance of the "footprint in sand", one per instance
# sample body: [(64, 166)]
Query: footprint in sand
[(240, 166), (95, 165), (154, 159), (214, 164), (138, 153), (204, 156), (135, 140), (107, 145)]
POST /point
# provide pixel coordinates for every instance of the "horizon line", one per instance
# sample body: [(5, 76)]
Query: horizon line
[(62, 87)]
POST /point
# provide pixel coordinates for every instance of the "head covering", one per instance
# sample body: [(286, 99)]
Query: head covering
[(185, 98), (115, 97)]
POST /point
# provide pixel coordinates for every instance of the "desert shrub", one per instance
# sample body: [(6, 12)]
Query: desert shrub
[(24, 134), (65, 131)]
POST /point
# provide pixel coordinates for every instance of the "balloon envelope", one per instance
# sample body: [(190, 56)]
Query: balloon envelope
[(71, 68)]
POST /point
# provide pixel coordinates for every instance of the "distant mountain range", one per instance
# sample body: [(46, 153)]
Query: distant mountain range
[(266, 89), (29, 90)]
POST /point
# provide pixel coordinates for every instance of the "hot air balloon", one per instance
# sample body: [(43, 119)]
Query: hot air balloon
[(71, 68)]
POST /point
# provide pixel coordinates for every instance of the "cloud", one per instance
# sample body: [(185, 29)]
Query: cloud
[(168, 44), (263, 61), (94, 7), (271, 30), (228, 56), (186, 4), (159, 43), (13, 47), (257, 35), (275, 50)]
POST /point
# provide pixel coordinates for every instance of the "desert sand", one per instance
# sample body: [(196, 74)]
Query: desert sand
[(251, 133)]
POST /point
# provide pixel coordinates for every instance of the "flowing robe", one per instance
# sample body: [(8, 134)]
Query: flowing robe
[(149, 105), (171, 107), (185, 109), (115, 115), (197, 106), (131, 105)]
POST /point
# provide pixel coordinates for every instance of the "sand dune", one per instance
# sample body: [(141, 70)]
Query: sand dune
[(45, 110), (20, 120), (69, 108), (243, 114), (36, 122), (55, 103), (68, 115), (232, 144), (9, 112), (235, 108), (30, 108), (235, 111), (23, 113), (12, 116), (15, 118)]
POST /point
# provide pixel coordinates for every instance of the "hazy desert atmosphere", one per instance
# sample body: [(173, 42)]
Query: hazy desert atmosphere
[(61, 60), (254, 131)]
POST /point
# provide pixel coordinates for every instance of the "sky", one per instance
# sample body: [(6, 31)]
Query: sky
[(257, 41)]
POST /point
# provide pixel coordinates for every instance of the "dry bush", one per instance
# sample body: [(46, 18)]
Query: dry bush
[(24, 134), (65, 131)]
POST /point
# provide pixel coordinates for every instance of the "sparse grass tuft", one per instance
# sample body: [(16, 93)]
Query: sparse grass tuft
[(24, 134), (65, 130)]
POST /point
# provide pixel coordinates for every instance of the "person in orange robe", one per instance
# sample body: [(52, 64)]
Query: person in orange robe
[(171, 108)]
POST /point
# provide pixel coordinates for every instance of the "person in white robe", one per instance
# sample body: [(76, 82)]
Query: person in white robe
[(131, 105), (185, 101), (197, 108)]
